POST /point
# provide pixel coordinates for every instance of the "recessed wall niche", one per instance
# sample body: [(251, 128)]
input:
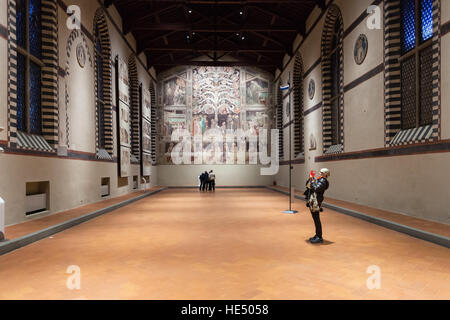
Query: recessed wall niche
[(122, 182), (105, 187), (37, 197)]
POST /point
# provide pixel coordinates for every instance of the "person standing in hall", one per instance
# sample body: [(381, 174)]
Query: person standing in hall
[(315, 196), (205, 182), (212, 181), (201, 179)]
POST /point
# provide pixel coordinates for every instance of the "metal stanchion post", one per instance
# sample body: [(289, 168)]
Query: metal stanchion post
[(291, 189)]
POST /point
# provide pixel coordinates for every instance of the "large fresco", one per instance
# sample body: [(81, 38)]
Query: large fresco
[(146, 133), (257, 92), (216, 102), (175, 91), (198, 99), (124, 145)]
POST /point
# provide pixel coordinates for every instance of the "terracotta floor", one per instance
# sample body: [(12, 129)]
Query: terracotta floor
[(22, 229), (234, 244), (425, 225)]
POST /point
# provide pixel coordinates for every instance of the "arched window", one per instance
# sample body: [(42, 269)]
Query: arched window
[(332, 75), (412, 71), (99, 62), (29, 65), (103, 87), (416, 63), (298, 107), (33, 75), (134, 107)]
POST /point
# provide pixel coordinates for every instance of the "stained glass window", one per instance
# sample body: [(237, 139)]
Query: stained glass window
[(409, 93), (426, 86), (35, 98), (409, 25), (21, 93), (427, 19), (35, 28), (417, 63), (29, 54), (21, 26)]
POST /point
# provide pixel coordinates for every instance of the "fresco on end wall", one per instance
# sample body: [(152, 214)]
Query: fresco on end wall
[(198, 99)]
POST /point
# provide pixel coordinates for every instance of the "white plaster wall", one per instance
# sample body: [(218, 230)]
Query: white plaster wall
[(445, 11), (297, 42), (72, 182), (3, 12), (88, 10), (310, 49), (81, 107), (364, 116), (394, 184), (375, 55), (352, 9), (226, 175), (397, 184), (312, 17)]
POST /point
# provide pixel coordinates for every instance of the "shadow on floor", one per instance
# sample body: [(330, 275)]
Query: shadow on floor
[(325, 243)]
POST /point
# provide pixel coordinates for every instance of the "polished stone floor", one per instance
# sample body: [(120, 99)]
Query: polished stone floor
[(233, 244)]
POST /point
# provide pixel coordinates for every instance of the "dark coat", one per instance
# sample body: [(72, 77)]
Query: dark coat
[(319, 187)]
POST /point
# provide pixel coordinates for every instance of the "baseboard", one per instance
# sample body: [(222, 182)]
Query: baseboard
[(11, 245), (413, 232)]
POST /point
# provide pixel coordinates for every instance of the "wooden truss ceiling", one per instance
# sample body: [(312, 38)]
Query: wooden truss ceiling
[(226, 32)]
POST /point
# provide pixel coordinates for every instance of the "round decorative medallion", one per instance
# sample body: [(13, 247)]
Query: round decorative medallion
[(361, 48), (311, 89), (81, 55)]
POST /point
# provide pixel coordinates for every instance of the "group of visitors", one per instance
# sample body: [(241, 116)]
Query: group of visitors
[(207, 181)]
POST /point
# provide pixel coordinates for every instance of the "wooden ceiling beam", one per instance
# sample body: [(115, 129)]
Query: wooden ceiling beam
[(239, 2), (161, 28), (213, 28), (130, 24), (214, 63), (204, 49), (273, 14)]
